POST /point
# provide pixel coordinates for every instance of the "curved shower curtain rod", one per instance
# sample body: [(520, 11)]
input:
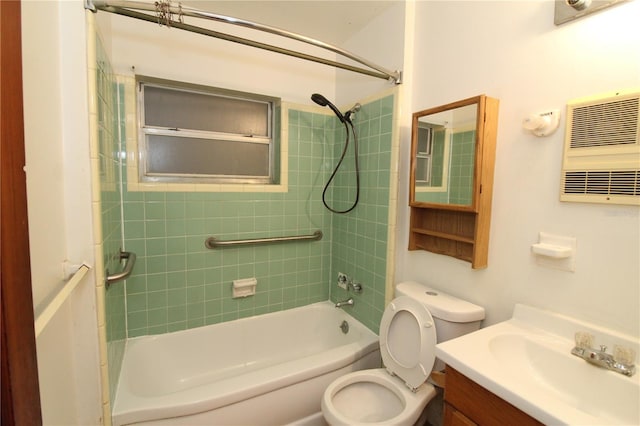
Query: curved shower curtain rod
[(130, 8)]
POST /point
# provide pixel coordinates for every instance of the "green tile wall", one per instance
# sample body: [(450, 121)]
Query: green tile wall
[(110, 205), (179, 284), (360, 237), (461, 170)]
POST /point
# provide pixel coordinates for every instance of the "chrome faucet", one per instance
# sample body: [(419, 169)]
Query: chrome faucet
[(621, 361), (348, 302)]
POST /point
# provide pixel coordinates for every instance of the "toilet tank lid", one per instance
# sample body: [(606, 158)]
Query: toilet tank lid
[(441, 305)]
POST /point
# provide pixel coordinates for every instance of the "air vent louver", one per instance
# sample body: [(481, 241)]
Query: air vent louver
[(611, 123), (602, 150), (612, 182)]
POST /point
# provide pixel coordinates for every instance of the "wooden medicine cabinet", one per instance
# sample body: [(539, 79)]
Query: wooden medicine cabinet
[(451, 182)]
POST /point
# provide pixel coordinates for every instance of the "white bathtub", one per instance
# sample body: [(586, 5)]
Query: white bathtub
[(266, 370)]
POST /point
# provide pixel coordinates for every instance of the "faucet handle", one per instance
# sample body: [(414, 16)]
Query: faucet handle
[(356, 286), (584, 339), (624, 355)]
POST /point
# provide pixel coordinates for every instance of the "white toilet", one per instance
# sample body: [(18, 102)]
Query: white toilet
[(398, 393)]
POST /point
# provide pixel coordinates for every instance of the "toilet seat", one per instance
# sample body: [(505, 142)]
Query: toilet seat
[(375, 397), (408, 340)]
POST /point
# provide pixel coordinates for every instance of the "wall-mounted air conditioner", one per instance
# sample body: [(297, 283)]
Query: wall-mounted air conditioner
[(602, 150)]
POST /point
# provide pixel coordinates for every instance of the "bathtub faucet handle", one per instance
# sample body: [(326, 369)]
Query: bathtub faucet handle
[(355, 285)]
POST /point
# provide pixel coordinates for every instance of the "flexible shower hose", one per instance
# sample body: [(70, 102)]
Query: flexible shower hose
[(347, 123)]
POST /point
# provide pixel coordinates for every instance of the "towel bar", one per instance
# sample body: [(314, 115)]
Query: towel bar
[(47, 313)]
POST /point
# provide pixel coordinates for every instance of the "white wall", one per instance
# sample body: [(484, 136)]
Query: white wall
[(59, 203), (179, 55), (43, 147), (514, 52), (380, 42)]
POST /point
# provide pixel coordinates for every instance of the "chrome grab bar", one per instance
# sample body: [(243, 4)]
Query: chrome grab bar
[(130, 261), (213, 242)]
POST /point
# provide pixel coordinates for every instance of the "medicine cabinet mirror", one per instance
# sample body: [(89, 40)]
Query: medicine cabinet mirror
[(451, 178)]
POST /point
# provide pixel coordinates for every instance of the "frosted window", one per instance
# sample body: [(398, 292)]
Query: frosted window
[(188, 110), (178, 156), (201, 134)]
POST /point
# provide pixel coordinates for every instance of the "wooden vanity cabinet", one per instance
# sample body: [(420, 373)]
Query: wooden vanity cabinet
[(467, 403)]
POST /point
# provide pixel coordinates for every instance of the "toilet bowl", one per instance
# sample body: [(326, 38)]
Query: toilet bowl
[(398, 393), (374, 397)]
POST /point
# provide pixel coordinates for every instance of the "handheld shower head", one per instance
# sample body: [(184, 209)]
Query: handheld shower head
[(319, 99), (322, 101), (346, 121)]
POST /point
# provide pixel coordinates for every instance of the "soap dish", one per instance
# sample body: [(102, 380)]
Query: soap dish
[(244, 287), (551, 250), (555, 251)]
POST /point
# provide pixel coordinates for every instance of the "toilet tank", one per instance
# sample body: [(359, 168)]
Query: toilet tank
[(453, 317)]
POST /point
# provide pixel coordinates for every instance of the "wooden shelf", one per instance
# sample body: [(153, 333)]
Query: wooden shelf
[(444, 235), (447, 232)]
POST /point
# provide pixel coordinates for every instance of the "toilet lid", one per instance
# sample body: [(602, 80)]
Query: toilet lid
[(408, 340)]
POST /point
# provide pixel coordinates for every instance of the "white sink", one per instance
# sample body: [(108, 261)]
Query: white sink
[(527, 361)]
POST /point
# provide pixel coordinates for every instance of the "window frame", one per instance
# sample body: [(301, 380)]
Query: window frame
[(143, 131)]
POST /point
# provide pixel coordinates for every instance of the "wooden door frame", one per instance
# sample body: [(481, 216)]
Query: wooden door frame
[(20, 388)]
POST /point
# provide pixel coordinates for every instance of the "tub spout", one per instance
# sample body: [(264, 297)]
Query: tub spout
[(348, 302)]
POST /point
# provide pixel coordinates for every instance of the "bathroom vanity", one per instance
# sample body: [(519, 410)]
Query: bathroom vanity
[(525, 371), (468, 403)]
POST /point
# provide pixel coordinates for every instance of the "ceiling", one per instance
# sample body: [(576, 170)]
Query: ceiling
[(330, 21)]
